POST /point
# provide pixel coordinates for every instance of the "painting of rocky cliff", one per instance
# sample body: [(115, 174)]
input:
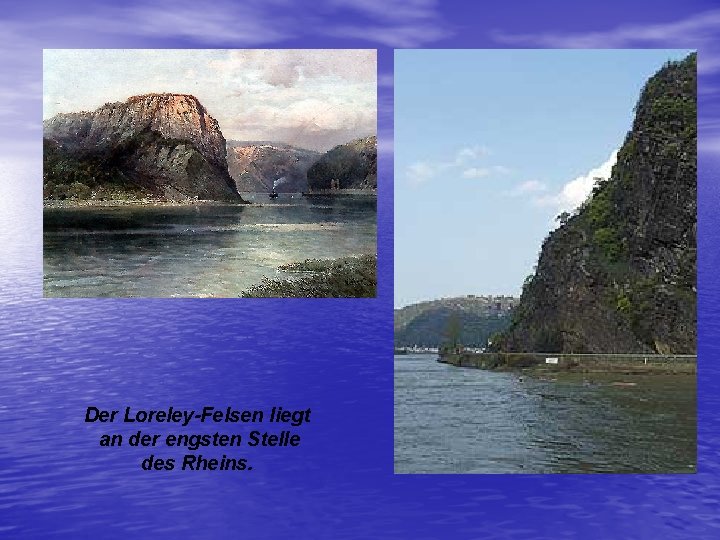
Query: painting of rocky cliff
[(203, 173)]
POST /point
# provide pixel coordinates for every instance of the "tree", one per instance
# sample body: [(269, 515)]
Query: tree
[(452, 332), (563, 218)]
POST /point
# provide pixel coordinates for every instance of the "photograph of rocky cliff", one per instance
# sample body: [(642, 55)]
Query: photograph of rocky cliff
[(545, 261), (618, 275), (187, 173)]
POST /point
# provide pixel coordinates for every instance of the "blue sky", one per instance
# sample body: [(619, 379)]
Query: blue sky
[(490, 146)]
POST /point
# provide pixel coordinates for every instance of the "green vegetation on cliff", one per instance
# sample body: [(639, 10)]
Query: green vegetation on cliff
[(618, 276), (348, 166), (80, 177)]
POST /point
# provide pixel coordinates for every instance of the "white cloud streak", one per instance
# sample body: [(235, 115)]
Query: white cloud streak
[(526, 188), (461, 164), (691, 32), (395, 23), (576, 191)]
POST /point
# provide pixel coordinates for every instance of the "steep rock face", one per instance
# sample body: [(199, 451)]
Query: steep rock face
[(163, 144), (619, 275), (260, 166), (348, 166)]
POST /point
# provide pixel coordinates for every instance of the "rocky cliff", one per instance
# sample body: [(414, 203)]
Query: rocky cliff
[(478, 317), (618, 276), (348, 166), (260, 166), (165, 145)]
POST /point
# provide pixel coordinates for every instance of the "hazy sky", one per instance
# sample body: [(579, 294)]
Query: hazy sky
[(490, 146), (310, 98)]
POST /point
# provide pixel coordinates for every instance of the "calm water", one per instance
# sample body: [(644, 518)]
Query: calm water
[(197, 250), (454, 420)]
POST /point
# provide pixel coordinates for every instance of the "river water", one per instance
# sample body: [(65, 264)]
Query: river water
[(458, 420), (199, 250)]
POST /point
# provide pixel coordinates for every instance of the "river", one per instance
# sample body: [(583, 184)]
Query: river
[(198, 250), (458, 420)]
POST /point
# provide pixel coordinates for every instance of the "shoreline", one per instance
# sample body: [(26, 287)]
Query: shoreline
[(114, 203), (556, 363), (340, 192), (50, 204)]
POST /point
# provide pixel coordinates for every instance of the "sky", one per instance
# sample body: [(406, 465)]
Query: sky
[(314, 99), (491, 146)]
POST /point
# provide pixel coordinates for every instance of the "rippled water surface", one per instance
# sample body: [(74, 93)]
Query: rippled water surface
[(454, 420), (216, 250)]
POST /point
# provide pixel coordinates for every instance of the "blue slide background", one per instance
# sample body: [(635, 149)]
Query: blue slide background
[(335, 356)]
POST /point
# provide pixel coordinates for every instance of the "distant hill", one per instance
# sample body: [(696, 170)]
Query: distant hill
[(258, 166), (425, 324), (348, 166), (619, 275)]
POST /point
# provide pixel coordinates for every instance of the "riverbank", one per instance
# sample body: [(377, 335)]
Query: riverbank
[(539, 363), (96, 203), (346, 277), (368, 192)]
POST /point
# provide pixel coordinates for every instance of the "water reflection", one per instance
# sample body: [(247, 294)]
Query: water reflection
[(197, 250)]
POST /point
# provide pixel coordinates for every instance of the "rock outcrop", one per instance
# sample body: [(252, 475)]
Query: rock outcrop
[(165, 145), (618, 276), (347, 166), (262, 166)]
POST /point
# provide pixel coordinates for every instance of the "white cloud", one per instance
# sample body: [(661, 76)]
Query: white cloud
[(576, 191), (289, 67), (475, 172), (469, 153), (420, 172), (690, 32), (399, 36), (482, 172), (501, 169), (249, 23), (395, 23), (526, 188), (462, 164), (401, 10)]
